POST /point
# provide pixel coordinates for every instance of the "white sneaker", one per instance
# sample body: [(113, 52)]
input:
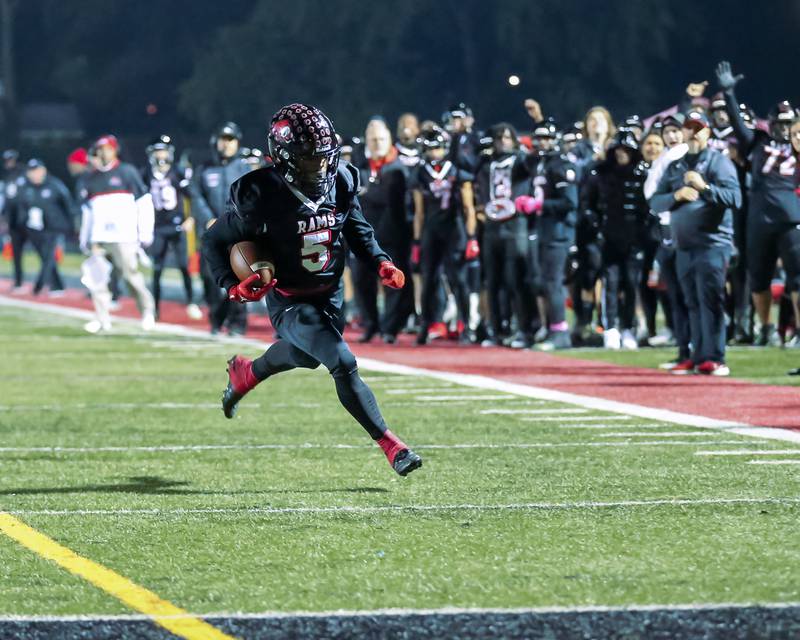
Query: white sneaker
[(55, 293), (95, 326), (629, 341), (541, 334), (193, 311), (114, 305), (612, 339), (148, 322)]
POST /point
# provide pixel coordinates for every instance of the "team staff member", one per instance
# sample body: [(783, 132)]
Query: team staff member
[(47, 210), (302, 209), (701, 190), (13, 179), (774, 208), (209, 189), (383, 201), (444, 227)]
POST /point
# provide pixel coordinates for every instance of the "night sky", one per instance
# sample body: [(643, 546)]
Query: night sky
[(200, 62)]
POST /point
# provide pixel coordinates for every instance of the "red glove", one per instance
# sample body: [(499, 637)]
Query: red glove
[(416, 254), (250, 290), (473, 249), (390, 275), (528, 205), (797, 191)]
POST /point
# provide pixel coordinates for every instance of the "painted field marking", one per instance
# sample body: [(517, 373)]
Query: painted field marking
[(445, 611), (616, 425), (470, 380), (511, 412), (655, 434), (412, 390), (774, 462), (520, 506), (472, 399), (421, 447), (576, 418), (766, 452), (118, 405), (128, 592)]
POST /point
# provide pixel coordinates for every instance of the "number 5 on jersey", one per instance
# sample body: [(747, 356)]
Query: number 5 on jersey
[(316, 252)]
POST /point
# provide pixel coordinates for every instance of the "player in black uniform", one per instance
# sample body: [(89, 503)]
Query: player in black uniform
[(445, 236), (301, 210), (167, 187), (47, 210), (774, 208), (502, 176), (13, 179), (464, 141), (555, 201)]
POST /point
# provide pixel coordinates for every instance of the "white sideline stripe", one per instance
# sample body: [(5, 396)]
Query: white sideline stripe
[(656, 434), (774, 462), (410, 390), (766, 452), (635, 425), (422, 447), (470, 380), (576, 419), (510, 412), (467, 400), (522, 506), (237, 615)]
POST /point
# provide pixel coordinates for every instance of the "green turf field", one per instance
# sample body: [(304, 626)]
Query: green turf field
[(114, 447)]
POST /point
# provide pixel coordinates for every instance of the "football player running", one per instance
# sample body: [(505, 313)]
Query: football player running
[(774, 208), (300, 211)]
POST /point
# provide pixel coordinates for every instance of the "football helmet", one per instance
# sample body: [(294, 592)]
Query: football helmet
[(303, 145), (433, 138), (160, 161), (780, 120)]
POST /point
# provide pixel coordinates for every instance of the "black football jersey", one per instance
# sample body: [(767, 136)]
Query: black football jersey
[(305, 240), (775, 176), (167, 193), (440, 186)]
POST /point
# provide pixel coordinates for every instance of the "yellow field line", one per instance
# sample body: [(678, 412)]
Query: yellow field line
[(134, 596)]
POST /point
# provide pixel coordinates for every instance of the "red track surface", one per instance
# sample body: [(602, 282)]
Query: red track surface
[(723, 399)]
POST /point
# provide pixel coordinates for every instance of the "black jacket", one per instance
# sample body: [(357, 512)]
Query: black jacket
[(46, 207), (384, 203)]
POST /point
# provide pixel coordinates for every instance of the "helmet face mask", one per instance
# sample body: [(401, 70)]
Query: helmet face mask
[(304, 147), (434, 143), (780, 121), (161, 153)]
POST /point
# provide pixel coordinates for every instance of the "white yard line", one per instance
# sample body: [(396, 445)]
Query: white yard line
[(523, 506), (471, 380), (118, 405), (575, 418), (655, 434), (421, 447), (462, 398), (790, 462), (412, 390), (446, 611), (738, 452), (511, 412)]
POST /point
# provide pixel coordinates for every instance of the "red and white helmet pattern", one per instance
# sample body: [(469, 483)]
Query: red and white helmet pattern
[(304, 128)]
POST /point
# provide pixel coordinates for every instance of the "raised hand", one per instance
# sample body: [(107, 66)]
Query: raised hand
[(725, 77)]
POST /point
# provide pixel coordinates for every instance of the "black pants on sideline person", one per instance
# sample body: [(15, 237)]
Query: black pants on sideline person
[(622, 268), (680, 313), (398, 303), (18, 239), (702, 276), (443, 248), (45, 243), (553, 261), (165, 241)]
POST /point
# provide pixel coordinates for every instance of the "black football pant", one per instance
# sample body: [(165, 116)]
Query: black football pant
[(506, 263), (443, 248), (622, 268), (45, 244), (666, 257), (311, 334), (18, 239), (398, 303), (220, 309), (553, 260), (165, 241), (702, 275)]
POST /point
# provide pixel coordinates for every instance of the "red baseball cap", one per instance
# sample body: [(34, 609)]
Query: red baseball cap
[(78, 156)]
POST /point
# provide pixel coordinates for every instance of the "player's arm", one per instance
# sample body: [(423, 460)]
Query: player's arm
[(722, 188), (217, 240), (68, 208), (468, 202), (201, 211), (727, 82)]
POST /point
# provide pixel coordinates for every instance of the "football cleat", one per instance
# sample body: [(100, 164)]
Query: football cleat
[(240, 381), (406, 461)]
